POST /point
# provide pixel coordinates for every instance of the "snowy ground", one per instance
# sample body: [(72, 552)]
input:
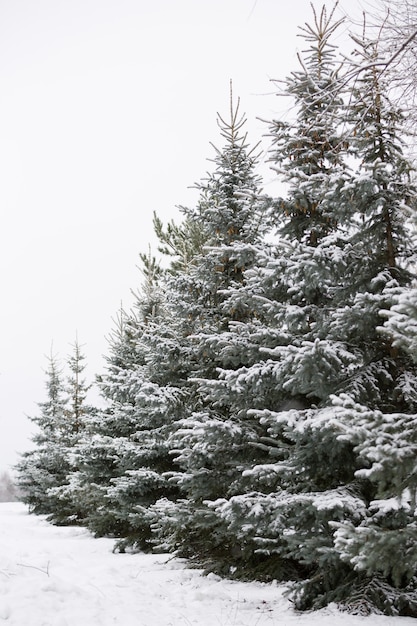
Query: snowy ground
[(53, 576)]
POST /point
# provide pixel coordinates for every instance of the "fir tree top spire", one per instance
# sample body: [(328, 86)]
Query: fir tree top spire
[(383, 185), (308, 154), (54, 407), (77, 387), (230, 131), (229, 194), (319, 35)]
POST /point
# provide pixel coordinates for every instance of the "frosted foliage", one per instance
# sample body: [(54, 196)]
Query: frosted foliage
[(401, 322), (311, 368), (371, 549)]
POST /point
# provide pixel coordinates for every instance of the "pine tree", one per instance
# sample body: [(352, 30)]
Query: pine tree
[(295, 366), (380, 405), (44, 467), (44, 472), (68, 507), (125, 460), (211, 441), (94, 453)]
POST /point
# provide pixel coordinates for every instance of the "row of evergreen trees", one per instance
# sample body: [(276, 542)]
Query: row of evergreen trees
[(261, 395)]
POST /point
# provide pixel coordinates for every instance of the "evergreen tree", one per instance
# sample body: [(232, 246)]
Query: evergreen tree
[(296, 366), (44, 471), (68, 508), (211, 441), (45, 466), (381, 403), (94, 453), (125, 460)]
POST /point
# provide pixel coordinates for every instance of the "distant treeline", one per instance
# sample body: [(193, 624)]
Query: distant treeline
[(8, 490)]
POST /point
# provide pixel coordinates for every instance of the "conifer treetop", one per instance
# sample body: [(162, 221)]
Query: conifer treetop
[(230, 131), (319, 36), (308, 153)]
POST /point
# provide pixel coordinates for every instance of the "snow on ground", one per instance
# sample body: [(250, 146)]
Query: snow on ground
[(62, 576)]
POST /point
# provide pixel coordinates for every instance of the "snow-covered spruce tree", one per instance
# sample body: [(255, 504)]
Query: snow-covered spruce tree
[(297, 365), (45, 467), (212, 441), (124, 462), (44, 472), (381, 404), (339, 273), (68, 508), (94, 453)]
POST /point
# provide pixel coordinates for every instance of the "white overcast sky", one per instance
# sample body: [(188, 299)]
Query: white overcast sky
[(107, 111)]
